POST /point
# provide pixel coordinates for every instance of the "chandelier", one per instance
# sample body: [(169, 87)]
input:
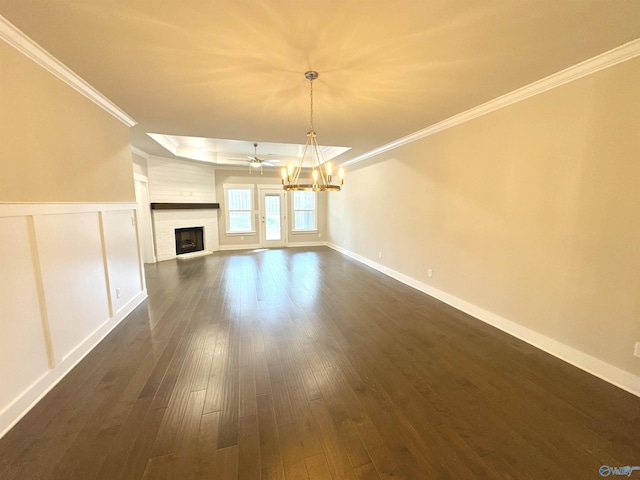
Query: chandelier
[(321, 179)]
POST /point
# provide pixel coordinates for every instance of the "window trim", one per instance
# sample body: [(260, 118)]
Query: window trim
[(239, 186), (295, 231)]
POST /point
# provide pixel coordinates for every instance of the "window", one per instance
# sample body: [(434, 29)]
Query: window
[(304, 211), (239, 207)]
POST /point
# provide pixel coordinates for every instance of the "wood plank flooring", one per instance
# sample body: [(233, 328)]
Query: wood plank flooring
[(303, 364)]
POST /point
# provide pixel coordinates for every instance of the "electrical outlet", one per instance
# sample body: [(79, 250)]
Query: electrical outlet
[(379, 254), (241, 238), (319, 235), (429, 273), (636, 351), (118, 293)]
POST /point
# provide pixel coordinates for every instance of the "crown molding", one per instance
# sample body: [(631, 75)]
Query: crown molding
[(619, 54), (18, 40)]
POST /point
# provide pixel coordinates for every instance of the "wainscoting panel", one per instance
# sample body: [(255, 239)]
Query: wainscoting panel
[(69, 273), (122, 256), (73, 278), (23, 352)]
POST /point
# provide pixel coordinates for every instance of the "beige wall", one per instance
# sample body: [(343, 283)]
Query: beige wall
[(267, 178), (69, 262), (530, 212), (55, 144)]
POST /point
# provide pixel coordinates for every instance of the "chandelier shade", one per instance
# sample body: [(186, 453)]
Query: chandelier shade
[(321, 176)]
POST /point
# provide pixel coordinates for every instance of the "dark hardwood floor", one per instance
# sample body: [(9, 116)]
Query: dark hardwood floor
[(303, 364)]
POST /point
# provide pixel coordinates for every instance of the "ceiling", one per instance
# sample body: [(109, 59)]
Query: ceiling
[(235, 69), (239, 152)]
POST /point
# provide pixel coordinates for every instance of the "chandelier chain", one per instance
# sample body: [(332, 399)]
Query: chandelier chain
[(322, 173), (311, 95)]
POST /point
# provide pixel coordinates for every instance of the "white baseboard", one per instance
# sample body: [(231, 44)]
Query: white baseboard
[(306, 244), (603, 370), (17, 409), (239, 247), (257, 246)]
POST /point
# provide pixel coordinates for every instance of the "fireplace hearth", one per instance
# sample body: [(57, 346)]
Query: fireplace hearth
[(189, 240)]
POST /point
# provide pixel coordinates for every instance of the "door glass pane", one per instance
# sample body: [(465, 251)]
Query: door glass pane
[(272, 217)]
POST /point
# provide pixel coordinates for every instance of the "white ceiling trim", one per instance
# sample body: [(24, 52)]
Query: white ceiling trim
[(617, 55), (18, 40), (139, 152)]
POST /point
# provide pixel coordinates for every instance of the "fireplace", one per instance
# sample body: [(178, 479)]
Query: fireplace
[(189, 240), (166, 222)]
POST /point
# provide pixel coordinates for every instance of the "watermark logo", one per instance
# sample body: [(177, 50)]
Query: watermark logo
[(606, 470)]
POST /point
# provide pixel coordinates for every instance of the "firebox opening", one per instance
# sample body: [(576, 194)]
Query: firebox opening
[(189, 240)]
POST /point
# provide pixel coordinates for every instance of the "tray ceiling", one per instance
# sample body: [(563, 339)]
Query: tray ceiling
[(235, 70)]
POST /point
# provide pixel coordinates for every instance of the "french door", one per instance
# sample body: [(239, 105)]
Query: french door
[(272, 218)]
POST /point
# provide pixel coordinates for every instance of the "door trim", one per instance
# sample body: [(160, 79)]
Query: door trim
[(272, 190)]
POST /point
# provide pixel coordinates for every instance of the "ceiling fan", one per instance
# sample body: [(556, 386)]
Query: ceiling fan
[(255, 162)]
